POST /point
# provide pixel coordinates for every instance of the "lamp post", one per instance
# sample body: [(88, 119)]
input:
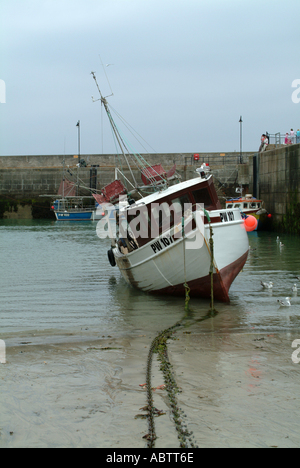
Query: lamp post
[(78, 165), (241, 123), (78, 125)]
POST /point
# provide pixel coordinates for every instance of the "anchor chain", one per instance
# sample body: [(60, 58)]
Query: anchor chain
[(159, 346)]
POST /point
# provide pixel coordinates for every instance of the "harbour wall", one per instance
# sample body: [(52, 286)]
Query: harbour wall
[(24, 179), (274, 176)]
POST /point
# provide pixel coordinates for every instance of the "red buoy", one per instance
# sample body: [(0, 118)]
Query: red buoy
[(269, 215), (250, 223)]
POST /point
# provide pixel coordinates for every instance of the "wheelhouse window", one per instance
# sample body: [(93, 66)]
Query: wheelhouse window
[(202, 196), (161, 214), (138, 221), (181, 204), (182, 210)]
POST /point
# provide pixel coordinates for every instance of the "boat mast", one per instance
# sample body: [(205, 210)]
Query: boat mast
[(114, 127)]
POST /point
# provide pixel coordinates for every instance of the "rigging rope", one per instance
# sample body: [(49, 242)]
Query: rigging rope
[(138, 160)]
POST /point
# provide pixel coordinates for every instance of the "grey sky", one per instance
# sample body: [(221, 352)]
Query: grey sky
[(183, 72)]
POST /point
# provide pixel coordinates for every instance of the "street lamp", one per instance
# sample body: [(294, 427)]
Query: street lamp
[(78, 125), (78, 165), (241, 123)]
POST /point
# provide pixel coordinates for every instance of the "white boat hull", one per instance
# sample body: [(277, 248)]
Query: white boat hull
[(164, 269)]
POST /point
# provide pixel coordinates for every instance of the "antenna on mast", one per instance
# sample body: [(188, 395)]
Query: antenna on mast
[(138, 159), (114, 127), (106, 76)]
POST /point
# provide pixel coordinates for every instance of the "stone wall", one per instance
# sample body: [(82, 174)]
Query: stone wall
[(31, 176), (279, 182), (23, 179)]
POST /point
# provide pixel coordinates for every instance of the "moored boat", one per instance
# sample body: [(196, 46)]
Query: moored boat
[(68, 205), (72, 209), (176, 237), (173, 257), (252, 206)]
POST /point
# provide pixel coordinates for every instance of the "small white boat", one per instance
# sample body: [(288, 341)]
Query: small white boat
[(251, 206)]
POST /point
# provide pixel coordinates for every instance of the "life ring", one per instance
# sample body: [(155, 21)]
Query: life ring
[(111, 257)]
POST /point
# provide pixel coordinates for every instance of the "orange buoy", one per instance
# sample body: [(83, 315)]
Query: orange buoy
[(250, 223)]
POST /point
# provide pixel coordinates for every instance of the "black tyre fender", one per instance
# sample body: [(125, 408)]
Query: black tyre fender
[(111, 257)]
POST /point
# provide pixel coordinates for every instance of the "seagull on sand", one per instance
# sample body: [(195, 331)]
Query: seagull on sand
[(267, 285), (285, 303)]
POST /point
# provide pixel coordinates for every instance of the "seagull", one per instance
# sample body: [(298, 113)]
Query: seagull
[(294, 288), (285, 302), (278, 239), (267, 285)]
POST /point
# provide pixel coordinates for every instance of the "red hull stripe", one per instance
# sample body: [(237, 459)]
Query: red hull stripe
[(201, 287)]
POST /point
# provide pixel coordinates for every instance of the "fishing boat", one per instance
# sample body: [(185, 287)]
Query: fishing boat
[(176, 237), (68, 205), (250, 205), (72, 209)]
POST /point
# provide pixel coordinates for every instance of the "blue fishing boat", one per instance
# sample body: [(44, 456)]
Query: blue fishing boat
[(68, 204), (72, 209)]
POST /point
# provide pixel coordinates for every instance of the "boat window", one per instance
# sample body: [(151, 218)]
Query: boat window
[(258, 205), (245, 205), (237, 205), (165, 215), (229, 205), (202, 196), (161, 214), (181, 204), (252, 205), (136, 223)]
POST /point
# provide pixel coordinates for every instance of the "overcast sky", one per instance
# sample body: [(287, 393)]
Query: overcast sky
[(182, 73)]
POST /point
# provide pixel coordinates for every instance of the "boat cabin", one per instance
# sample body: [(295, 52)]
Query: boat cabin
[(247, 203), (159, 212)]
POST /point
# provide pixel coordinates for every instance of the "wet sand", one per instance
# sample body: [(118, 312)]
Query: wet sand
[(238, 390)]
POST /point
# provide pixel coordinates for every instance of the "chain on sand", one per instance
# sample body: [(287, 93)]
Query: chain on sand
[(159, 346)]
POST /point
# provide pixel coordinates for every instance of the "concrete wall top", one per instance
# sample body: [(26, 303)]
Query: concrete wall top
[(47, 161)]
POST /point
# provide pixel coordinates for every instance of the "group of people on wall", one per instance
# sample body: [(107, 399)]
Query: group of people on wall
[(290, 138)]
